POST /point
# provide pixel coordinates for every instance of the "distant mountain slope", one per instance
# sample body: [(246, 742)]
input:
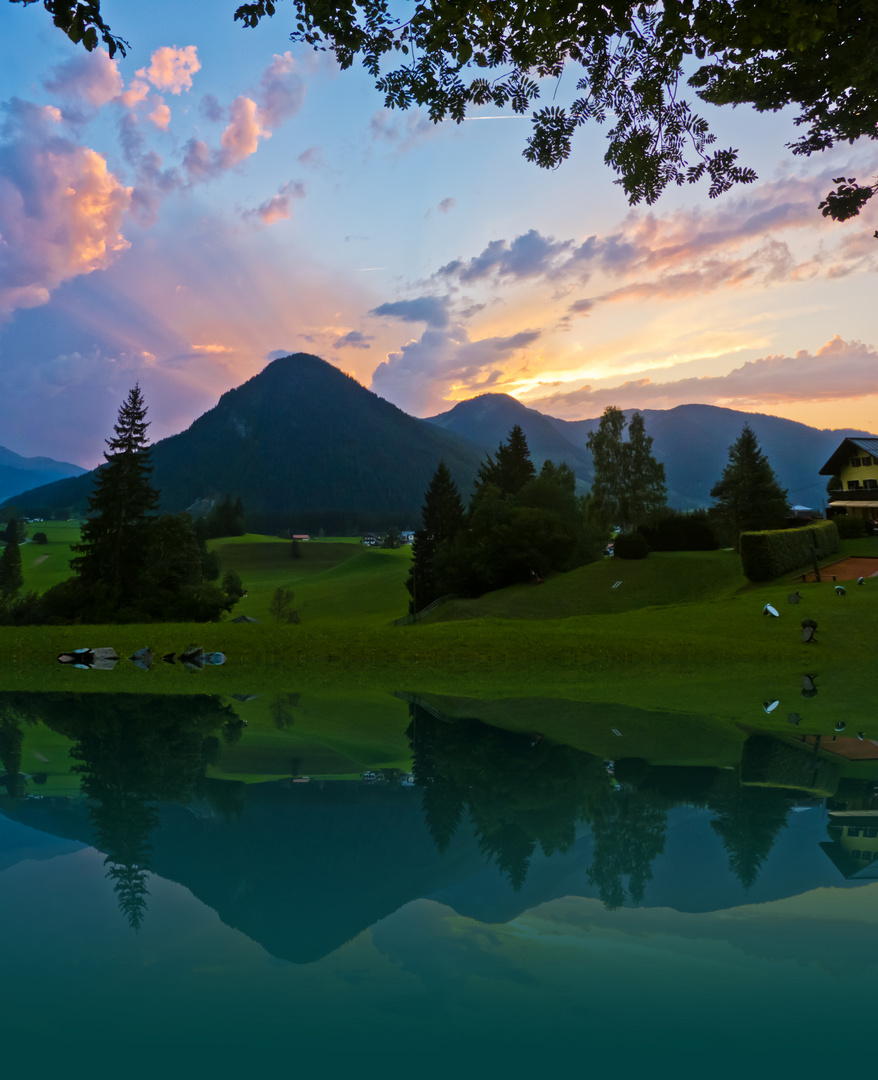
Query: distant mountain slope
[(488, 419), (691, 440), (19, 473), (305, 447)]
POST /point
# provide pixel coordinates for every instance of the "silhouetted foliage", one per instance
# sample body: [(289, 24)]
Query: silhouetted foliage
[(442, 516), (11, 577), (748, 820), (629, 484), (748, 496)]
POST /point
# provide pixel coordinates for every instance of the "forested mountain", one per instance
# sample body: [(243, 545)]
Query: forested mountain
[(488, 419), (306, 447), (691, 440), (19, 473)]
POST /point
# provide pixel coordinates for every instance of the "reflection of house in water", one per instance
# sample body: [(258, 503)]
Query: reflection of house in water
[(854, 844)]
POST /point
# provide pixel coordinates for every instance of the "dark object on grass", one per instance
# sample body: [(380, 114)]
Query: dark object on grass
[(769, 610), (840, 726), (805, 623), (861, 581), (794, 719), (770, 706), (169, 658), (245, 697), (101, 659), (861, 735), (794, 597), (143, 658), (245, 619), (809, 690), (840, 590), (808, 634)]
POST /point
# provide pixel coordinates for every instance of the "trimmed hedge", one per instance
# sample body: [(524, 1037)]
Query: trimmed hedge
[(766, 762), (773, 552)]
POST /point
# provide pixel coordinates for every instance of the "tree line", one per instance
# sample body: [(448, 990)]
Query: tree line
[(520, 525)]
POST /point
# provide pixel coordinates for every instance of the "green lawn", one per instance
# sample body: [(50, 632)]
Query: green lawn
[(678, 657)]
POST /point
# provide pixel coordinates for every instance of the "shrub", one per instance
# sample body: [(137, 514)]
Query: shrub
[(680, 532), (631, 546), (769, 554), (40, 538), (850, 528)]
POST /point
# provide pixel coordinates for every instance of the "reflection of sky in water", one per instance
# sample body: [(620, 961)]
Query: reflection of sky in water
[(561, 988)]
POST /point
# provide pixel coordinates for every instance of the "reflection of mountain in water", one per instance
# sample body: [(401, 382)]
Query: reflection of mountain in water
[(500, 823)]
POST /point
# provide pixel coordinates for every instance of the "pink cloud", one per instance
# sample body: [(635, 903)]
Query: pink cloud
[(839, 369), (160, 115), (61, 211), (279, 207), (171, 68), (241, 137)]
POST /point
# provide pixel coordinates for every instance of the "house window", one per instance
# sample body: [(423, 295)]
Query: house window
[(870, 832), (870, 483), (855, 854), (867, 461), (867, 856), (853, 485), (853, 830), (855, 462)]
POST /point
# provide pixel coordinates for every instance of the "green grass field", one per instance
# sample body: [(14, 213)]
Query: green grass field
[(678, 656)]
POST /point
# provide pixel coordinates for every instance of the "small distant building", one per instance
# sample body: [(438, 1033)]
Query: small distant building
[(855, 463), (301, 536)]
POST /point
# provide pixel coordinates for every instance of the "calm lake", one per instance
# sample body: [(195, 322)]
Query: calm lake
[(219, 882)]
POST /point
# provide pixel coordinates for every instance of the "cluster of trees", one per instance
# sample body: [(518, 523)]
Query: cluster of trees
[(519, 525), (629, 484), (131, 563)]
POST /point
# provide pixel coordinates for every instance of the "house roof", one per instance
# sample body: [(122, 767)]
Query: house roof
[(866, 445)]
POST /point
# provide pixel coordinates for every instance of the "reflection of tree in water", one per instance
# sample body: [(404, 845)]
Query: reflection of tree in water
[(519, 790), (11, 740), (629, 832), (748, 821), (133, 751)]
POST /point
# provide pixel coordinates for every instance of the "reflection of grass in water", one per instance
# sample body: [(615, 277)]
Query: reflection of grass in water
[(678, 637)]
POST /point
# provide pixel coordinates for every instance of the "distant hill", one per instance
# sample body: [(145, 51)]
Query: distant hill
[(19, 473), (691, 440), (488, 419), (305, 447)]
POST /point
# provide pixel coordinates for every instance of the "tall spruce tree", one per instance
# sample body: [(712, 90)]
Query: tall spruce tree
[(748, 495), (629, 484), (113, 558), (11, 578), (511, 467), (442, 515)]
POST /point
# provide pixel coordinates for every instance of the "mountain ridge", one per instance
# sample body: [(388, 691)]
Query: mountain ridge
[(306, 447)]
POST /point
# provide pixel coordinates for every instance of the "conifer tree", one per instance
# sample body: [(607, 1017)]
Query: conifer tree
[(114, 555), (748, 495), (511, 467), (11, 578), (442, 515)]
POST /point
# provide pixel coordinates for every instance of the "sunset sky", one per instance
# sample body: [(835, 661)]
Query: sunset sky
[(218, 198)]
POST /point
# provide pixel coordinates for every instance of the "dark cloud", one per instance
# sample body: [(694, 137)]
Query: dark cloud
[(433, 310), (528, 256), (211, 109), (353, 340)]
